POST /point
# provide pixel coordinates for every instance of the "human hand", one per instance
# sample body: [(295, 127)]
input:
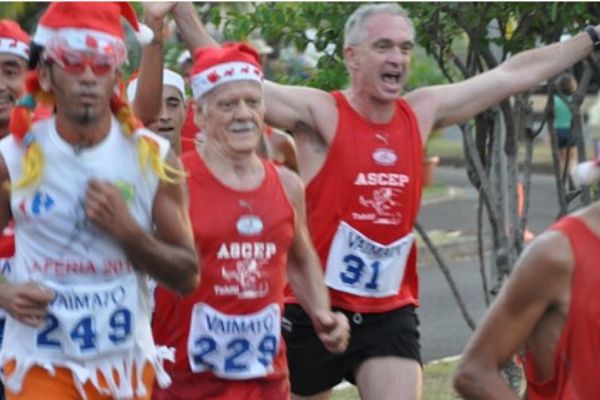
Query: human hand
[(333, 330), (157, 9), (27, 302), (154, 16), (106, 207)]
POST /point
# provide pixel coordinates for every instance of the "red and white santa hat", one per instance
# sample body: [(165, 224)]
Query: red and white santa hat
[(83, 26), (214, 66), (13, 39)]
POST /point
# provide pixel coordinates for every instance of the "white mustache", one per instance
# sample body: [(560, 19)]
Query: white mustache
[(243, 126)]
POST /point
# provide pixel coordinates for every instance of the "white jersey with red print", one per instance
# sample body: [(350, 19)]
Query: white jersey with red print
[(98, 321)]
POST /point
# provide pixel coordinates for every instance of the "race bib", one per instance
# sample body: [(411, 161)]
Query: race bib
[(86, 321), (363, 267), (234, 346)]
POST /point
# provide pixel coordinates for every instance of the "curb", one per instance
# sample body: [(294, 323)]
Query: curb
[(461, 248), (452, 193)]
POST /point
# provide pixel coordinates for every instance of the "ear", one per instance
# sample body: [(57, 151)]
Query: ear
[(119, 88), (199, 117), (44, 77), (351, 57)]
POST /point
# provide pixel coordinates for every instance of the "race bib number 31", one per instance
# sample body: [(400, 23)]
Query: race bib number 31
[(234, 346), (85, 321), (363, 267)]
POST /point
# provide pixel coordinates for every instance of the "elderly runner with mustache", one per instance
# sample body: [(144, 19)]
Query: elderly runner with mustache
[(248, 217)]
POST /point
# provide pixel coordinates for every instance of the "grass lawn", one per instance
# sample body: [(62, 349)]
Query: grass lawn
[(437, 383), (453, 149)]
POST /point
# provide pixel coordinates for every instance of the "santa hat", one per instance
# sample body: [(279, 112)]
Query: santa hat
[(13, 39), (90, 26), (169, 78), (217, 65)]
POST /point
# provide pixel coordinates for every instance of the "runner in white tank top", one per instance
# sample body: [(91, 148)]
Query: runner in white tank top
[(98, 206)]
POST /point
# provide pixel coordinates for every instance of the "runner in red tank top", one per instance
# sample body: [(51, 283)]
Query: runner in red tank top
[(359, 154), (247, 216), (557, 324)]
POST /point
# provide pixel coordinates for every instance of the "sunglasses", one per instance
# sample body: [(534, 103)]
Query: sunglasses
[(76, 62)]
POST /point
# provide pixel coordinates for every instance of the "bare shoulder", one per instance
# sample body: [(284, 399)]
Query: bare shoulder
[(423, 102), (547, 262)]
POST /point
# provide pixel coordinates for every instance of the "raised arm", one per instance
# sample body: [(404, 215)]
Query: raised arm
[(168, 255), (439, 106), (297, 109), (546, 264), (306, 277), (148, 95)]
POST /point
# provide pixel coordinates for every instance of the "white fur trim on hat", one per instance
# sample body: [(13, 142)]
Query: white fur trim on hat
[(169, 78), (184, 57), (208, 79), (144, 35), (80, 39), (586, 173), (13, 46)]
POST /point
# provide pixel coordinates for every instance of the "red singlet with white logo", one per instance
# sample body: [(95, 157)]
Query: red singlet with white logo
[(229, 327), (361, 208), (577, 351)]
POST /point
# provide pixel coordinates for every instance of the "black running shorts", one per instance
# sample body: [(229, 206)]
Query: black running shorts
[(313, 369)]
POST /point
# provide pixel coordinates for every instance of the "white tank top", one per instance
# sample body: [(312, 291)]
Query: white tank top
[(99, 320)]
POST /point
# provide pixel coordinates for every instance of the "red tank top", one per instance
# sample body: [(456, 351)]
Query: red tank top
[(578, 349), (371, 182), (243, 240), (189, 131)]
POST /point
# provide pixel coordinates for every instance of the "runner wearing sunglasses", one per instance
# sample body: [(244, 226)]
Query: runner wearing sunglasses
[(98, 206), (14, 51)]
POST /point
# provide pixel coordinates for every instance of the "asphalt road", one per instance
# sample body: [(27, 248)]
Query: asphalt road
[(443, 329)]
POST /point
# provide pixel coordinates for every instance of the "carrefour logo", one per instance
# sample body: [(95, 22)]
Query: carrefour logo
[(39, 205)]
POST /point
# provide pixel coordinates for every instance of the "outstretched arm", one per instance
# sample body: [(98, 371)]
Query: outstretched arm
[(306, 277), (169, 254), (546, 264), (439, 106), (190, 27), (297, 109)]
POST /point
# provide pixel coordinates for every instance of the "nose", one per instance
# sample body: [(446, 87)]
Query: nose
[(164, 116), (242, 111), (397, 56), (88, 76)]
